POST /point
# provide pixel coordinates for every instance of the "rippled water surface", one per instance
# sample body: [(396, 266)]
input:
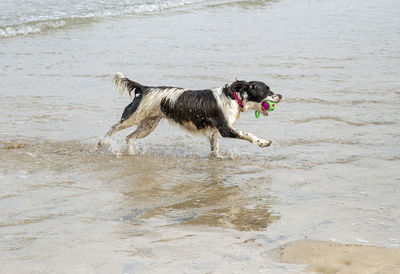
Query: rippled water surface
[(332, 172)]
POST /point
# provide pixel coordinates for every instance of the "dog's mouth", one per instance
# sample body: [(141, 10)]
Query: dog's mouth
[(269, 104), (264, 108)]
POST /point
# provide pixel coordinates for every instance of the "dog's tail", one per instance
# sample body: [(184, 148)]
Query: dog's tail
[(122, 83)]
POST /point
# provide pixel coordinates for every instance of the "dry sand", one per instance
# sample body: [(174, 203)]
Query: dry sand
[(329, 257)]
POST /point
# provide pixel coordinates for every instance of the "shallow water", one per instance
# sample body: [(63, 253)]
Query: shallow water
[(332, 172)]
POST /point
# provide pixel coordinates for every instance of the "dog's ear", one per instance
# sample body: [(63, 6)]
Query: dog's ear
[(252, 86), (239, 87)]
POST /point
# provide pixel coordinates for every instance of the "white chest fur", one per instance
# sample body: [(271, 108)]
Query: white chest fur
[(229, 107)]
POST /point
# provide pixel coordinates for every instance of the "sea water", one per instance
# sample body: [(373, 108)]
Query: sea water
[(332, 171)]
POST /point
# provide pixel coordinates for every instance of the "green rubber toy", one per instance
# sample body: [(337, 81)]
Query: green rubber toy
[(268, 106)]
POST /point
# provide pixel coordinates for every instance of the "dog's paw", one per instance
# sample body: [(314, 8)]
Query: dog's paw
[(102, 142), (215, 155), (263, 143), (131, 150)]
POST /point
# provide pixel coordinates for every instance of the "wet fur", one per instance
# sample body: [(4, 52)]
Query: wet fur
[(211, 112)]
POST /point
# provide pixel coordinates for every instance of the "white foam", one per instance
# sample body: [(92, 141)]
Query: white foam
[(29, 28), (41, 20)]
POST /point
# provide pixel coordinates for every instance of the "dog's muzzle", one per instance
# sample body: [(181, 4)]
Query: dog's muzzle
[(265, 105)]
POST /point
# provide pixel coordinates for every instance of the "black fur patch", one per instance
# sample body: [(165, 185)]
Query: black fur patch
[(258, 91), (197, 106), (131, 108), (225, 130), (133, 86)]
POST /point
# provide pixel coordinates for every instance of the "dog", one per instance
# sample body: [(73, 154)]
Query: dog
[(210, 112)]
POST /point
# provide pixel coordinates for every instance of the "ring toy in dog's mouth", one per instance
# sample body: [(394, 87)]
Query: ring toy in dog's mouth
[(266, 107)]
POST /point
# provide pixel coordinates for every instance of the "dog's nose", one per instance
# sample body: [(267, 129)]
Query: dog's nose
[(280, 96)]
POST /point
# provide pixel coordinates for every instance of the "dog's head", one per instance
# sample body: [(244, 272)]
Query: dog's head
[(253, 94)]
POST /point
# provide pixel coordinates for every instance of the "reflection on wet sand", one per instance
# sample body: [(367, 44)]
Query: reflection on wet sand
[(215, 205), (155, 191), (195, 192)]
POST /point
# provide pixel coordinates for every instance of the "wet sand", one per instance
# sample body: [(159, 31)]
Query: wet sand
[(330, 257)]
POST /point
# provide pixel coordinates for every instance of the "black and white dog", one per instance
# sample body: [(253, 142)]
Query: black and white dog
[(210, 112)]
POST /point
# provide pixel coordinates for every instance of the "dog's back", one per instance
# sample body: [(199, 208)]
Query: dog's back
[(198, 107)]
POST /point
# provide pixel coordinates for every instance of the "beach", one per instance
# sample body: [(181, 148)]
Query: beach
[(328, 257), (324, 197)]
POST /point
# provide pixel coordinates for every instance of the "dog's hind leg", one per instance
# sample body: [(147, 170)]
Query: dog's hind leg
[(115, 128), (144, 129), (127, 120)]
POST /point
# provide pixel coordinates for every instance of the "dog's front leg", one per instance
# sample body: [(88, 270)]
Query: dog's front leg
[(214, 145), (253, 139), (227, 131)]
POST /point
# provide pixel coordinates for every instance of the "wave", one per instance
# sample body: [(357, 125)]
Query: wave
[(241, 3), (40, 26), (42, 23), (339, 119), (95, 11)]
